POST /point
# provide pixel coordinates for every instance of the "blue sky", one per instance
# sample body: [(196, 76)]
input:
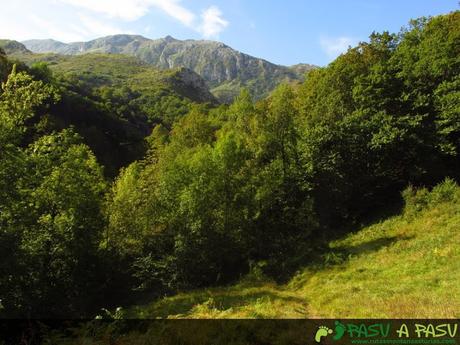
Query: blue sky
[(282, 31)]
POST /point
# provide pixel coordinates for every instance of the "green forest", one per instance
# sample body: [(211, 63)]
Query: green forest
[(123, 185)]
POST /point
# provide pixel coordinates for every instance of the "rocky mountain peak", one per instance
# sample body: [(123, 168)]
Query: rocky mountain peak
[(224, 69)]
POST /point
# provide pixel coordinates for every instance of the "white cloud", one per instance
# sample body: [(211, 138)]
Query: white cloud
[(175, 10), (51, 29), (81, 20), (87, 27), (131, 10), (121, 9), (212, 22), (95, 27), (333, 47), (12, 29)]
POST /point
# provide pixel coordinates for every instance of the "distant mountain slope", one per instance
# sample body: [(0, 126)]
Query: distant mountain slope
[(224, 69), (45, 46), (13, 47), (119, 70)]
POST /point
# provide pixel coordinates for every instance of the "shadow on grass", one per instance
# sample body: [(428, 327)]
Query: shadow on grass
[(341, 254), (314, 256), (182, 305), (319, 254), (373, 245)]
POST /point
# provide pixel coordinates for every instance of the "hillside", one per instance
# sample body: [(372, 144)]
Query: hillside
[(114, 100), (127, 91), (406, 266), (225, 70), (116, 69), (13, 47)]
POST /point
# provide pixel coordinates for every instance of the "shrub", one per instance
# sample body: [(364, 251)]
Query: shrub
[(420, 199), (444, 192)]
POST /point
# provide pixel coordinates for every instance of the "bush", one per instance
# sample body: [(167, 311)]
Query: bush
[(444, 192), (417, 200)]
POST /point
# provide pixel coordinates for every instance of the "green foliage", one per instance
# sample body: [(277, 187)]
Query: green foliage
[(112, 101), (209, 201), (372, 123), (420, 199), (50, 210), (42, 71), (448, 104), (19, 98), (123, 214), (194, 129), (129, 88)]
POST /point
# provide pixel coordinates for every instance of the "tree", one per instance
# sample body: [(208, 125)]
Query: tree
[(20, 98), (52, 192)]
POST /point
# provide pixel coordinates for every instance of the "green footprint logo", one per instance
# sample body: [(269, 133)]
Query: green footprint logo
[(322, 331), (339, 330)]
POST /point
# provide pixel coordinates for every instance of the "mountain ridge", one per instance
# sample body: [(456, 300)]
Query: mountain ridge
[(13, 47), (224, 69)]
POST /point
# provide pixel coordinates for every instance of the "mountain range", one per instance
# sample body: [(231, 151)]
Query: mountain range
[(225, 70)]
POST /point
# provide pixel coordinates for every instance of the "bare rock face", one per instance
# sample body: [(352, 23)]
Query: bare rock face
[(224, 69)]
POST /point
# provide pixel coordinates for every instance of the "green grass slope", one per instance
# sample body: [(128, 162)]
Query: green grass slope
[(405, 266), (125, 71)]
